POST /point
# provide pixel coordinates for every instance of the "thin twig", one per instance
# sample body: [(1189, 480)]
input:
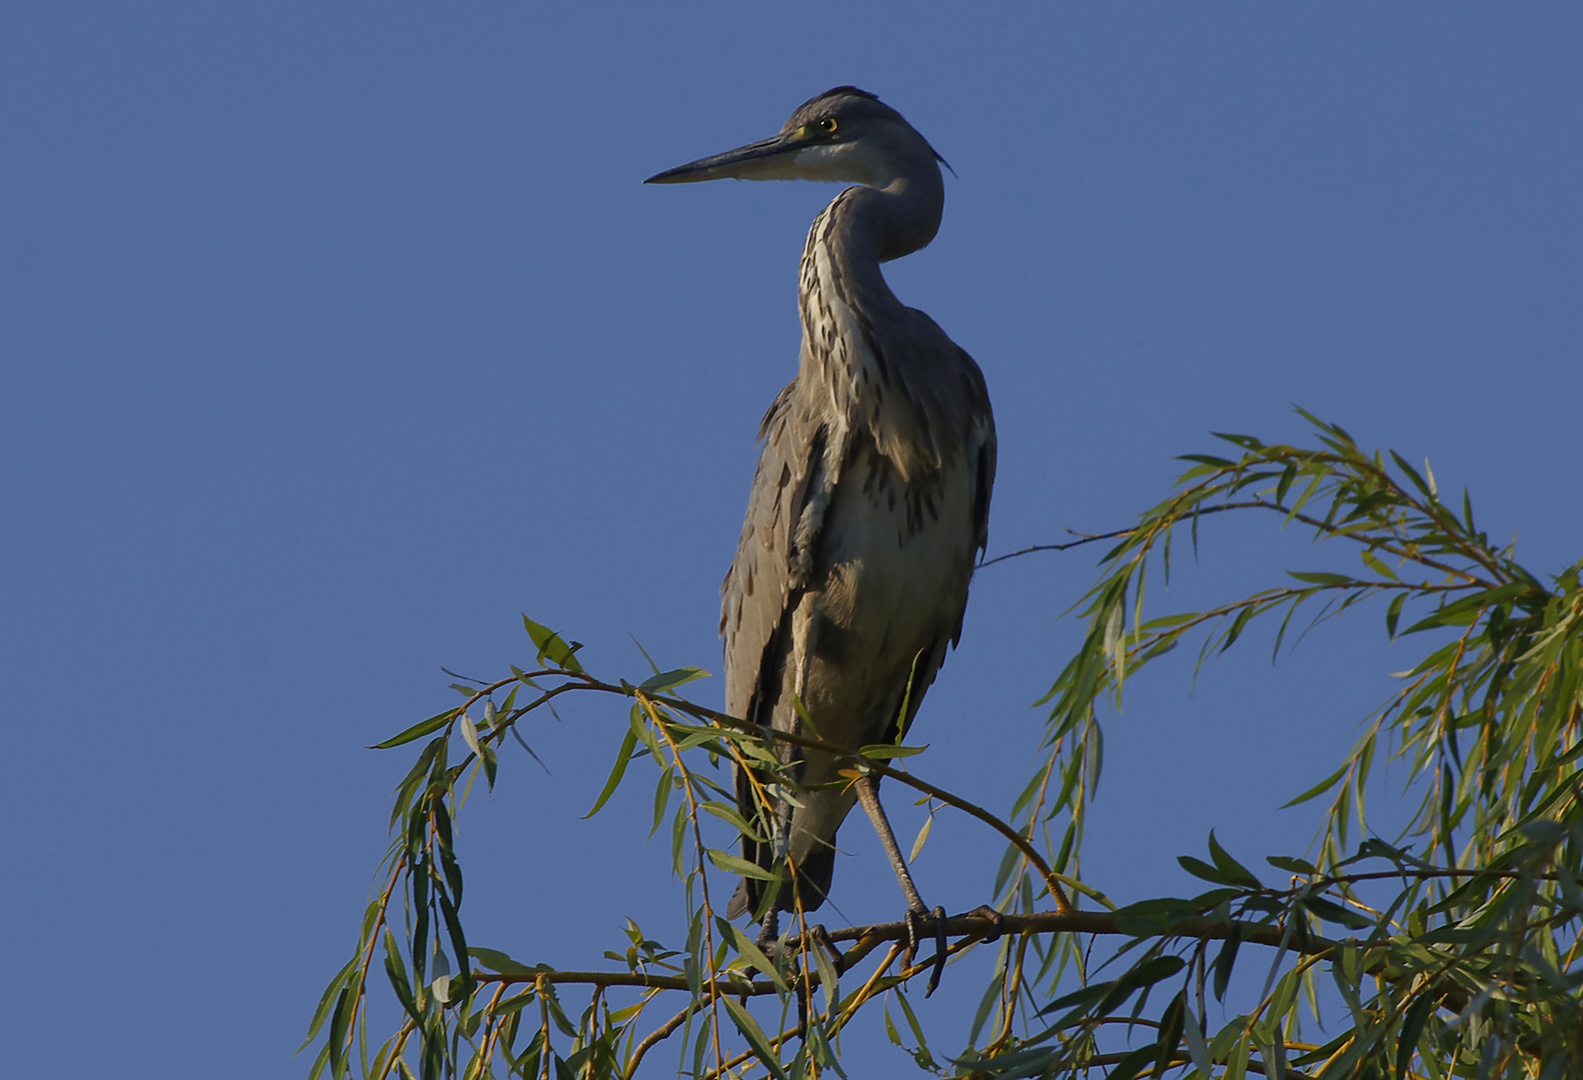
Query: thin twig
[(1255, 504)]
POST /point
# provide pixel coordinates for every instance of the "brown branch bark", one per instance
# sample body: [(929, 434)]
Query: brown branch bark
[(867, 938)]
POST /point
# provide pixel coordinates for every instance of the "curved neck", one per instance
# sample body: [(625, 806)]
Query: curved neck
[(879, 224), (866, 226)]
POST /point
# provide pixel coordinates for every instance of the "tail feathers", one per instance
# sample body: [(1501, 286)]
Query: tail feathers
[(813, 885), (741, 903)]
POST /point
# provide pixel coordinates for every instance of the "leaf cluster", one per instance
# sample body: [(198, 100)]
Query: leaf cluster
[(1450, 949)]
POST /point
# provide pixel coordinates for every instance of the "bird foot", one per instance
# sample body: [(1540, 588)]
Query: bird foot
[(821, 939), (996, 920), (916, 917)]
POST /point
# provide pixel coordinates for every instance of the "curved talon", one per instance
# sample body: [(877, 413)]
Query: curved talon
[(821, 937), (912, 919), (996, 920), (940, 947)]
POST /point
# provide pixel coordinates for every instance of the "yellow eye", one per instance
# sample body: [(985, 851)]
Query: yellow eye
[(828, 125)]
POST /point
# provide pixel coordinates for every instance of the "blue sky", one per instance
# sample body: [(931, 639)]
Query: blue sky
[(333, 338)]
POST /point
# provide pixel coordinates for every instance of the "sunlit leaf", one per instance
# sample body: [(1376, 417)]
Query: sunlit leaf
[(670, 680), (551, 647), (739, 866)]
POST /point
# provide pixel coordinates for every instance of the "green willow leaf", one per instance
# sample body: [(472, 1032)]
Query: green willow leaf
[(418, 731), (629, 743), (1315, 577), (741, 867), (1320, 788), (729, 813), (1202, 870), (670, 680), (1239, 874), (1413, 1022), (882, 752), (756, 1038), (747, 949), (551, 647)]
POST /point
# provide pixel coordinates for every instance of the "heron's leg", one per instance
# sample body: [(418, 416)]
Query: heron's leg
[(868, 795), (917, 911), (769, 930)]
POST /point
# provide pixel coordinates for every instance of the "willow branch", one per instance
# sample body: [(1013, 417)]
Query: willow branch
[(654, 1038), (867, 938), (1263, 504)]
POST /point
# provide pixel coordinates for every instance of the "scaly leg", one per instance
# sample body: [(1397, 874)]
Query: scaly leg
[(769, 931), (917, 911)]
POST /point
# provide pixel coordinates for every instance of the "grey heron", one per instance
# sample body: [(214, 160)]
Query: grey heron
[(871, 498)]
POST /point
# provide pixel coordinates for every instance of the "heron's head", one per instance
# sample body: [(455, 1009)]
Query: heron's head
[(846, 135)]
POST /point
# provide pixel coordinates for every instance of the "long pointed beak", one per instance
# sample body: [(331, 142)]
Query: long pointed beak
[(767, 159)]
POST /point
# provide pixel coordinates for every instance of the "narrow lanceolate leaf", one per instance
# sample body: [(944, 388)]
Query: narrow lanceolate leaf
[(1418, 1014), (1225, 960), (638, 721), (1237, 626), (337, 1037), (495, 960), (726, 812), (396, 970), (1465, 611), (749, 951), (1320, 788), (1231, 867), (328, 999), (1373, 562), (1315, 577), (880, 752), (670, 680), (1335, 913), (922, 1055), (734, 865), (628, 744), (1196, 1048), (829, 980), (679, 823), (1202, 870), (1412, 474), (418, 731), (755, 1036), (1172, 1023), (1129, 1067), (662, 799), (923, 837), (1393, 613), (1296, 866)]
